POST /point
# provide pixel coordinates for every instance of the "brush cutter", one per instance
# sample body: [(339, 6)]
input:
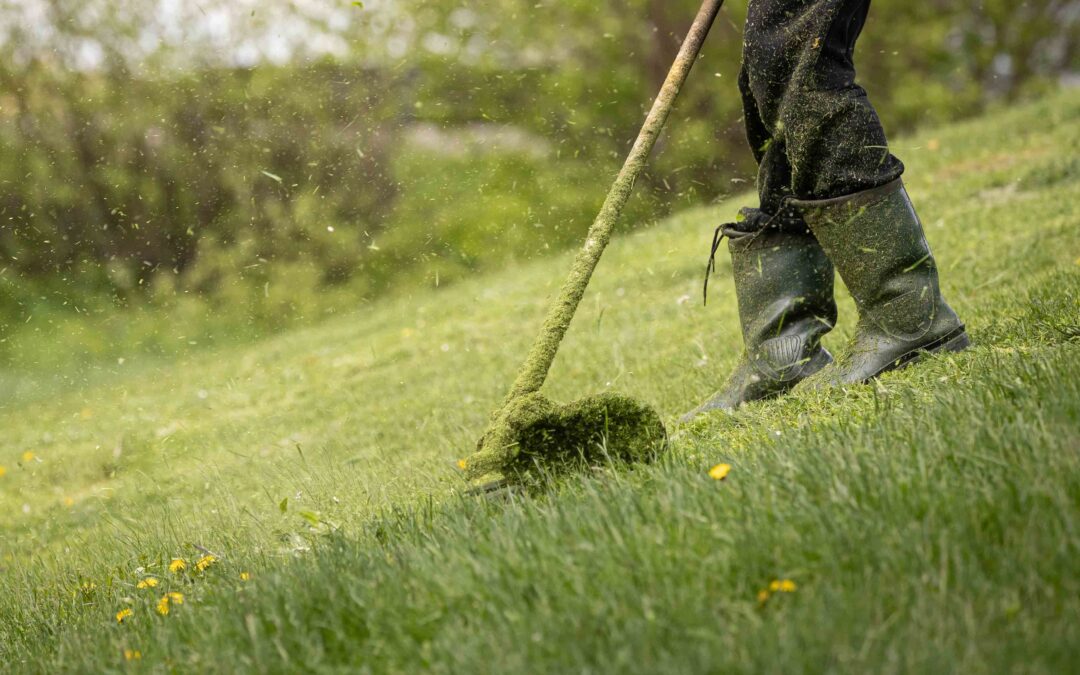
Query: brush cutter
[(530, 430)]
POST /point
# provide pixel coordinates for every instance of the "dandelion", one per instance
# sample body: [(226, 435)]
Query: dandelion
[(132, 655), (2, 471), (177, 565), (123, 614), (69, 502), (720, 471), (167, 601), (776, 586), (245, 576), (783, 586), (27, 457), (205, 562), (148, 582), (460, 464)]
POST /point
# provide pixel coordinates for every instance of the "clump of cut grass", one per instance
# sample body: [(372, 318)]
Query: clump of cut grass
[(534, 432)]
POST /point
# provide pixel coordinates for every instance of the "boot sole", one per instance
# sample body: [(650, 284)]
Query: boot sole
[(956, 341)]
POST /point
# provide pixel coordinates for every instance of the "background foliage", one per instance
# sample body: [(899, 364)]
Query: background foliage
[(220, 175)]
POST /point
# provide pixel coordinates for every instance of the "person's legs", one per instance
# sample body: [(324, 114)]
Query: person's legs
[(827, 183), (783, 280), (845, 182)]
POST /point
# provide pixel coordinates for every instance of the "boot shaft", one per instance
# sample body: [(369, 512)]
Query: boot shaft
[(877, 243), (783, 281)]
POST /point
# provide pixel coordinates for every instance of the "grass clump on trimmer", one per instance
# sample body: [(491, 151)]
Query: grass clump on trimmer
[(535, 432)]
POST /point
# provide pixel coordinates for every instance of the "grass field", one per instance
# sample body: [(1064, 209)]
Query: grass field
[(927, 523)]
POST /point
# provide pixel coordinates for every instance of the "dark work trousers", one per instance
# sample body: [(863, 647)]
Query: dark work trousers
[(813, 132)]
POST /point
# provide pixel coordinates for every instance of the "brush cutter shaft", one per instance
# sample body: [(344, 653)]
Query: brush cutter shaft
[(542, 354)]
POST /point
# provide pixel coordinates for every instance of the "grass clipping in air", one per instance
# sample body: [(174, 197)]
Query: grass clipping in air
[(533, 431)]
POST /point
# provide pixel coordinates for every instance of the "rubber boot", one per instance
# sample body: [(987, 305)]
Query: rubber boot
[(875, 240), (784, 288)]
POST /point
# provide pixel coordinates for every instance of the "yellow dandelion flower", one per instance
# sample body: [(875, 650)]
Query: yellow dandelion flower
[(148, 582), (2, 471), (461, 464), (177, 565), (132, 655), (28, 457), (68, 501), (783, 586), (204, 562), (245, 576), (762, 596), (175, 598), (720, 471), (123, 614), (163, 606)]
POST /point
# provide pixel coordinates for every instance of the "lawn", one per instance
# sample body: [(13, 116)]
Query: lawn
[(927, 523)]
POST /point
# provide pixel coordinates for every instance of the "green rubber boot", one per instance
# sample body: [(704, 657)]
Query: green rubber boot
[(784, 287), (877, 243)]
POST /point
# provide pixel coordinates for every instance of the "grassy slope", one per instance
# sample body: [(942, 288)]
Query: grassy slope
[(929, 521)]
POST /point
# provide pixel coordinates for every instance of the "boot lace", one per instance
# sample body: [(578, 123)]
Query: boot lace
[(784, 214), (718, 236)]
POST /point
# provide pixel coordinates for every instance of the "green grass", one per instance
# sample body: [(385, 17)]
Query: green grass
[(929, 522)]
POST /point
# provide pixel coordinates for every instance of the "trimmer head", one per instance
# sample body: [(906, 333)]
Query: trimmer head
[(535, 432)]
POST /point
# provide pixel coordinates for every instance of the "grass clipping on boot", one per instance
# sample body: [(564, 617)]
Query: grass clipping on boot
[(533, 431)]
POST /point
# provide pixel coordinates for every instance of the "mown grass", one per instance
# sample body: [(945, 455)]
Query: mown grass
[(928, 522)]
